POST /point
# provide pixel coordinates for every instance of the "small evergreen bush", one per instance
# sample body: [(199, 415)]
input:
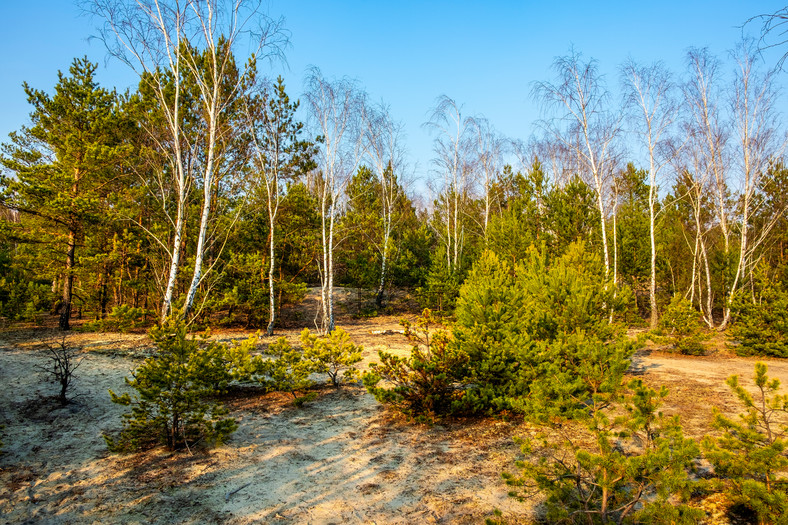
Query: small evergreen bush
[(173, 403), (761, 326), (122, 319), (750, 458), (539, 329), (682, 323), (425, 385), (620, 461), (333, 355), (288, 371), (441, 287)]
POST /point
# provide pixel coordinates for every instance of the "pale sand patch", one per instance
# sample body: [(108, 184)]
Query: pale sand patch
[(340, 459)]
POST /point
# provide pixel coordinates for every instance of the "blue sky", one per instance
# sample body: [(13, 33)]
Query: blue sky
[(408, 53)]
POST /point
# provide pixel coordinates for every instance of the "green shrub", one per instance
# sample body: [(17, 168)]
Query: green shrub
[(683, 325), (621, 461), (750, 458), (425, 385), (288, 371), (122, 319), (571, 373), (439, 293), (332, 355), (761, 326), (525, 325), (22, 299), (172, 404)]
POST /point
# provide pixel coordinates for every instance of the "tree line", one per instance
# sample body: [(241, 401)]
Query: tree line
[(207, 193)]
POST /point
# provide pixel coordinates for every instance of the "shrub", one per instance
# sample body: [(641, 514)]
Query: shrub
[(288, 371), (424, 385), (525, 325), (332, 355), (441, 287), (621, 461), (571, 373), (761, 326), (61, 363), (491, 331), (22, 299), (750, 458), (122, 319), (172, 404), (683, 324)]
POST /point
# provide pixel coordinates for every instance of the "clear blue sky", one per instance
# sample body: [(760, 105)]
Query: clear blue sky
[(407, 53)]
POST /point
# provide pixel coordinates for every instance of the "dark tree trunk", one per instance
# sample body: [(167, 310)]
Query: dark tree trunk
[(68, 283)]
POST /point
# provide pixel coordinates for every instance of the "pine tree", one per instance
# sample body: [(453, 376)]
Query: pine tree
[(174, 403), (64, 165)]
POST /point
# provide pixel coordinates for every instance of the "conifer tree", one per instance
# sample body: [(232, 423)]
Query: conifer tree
[(64, 165)]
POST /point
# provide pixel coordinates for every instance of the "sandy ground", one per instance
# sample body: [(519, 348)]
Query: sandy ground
[(340, 459)]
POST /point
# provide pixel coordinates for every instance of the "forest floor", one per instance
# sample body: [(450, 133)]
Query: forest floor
[(341, 458)]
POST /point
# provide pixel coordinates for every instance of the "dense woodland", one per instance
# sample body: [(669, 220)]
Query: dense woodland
[(201, 193), (208, 196)]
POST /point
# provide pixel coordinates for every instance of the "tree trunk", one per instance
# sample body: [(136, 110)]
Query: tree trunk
[(272, 313), (384, 261), (198, 259), (330, 326), (104, 294), (381, 285), (166, 306), (68, 283), (652, 289)]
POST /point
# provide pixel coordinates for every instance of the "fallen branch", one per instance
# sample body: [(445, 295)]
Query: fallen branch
[(232, 492)]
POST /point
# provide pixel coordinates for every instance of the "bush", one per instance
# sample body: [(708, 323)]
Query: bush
[(523, 326), (122, 319), (22, 299), (491, 331), (761, 326), (621, 461), (683, 324), (750, 458), (61, 363), (288, 371), (441, 287), (570, 374), (172, 405), (425, 385), (332, 355)]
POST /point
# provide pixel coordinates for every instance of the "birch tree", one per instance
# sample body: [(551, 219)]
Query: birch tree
[(279, 154), (489, 149), (171, 44), (693, 186), (578, 116), (649, 96), (709, 135), (753, 106), (382, 138), (451, 147), (334, 108)]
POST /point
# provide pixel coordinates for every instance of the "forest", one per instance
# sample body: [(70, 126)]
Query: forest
[(646, 211)]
